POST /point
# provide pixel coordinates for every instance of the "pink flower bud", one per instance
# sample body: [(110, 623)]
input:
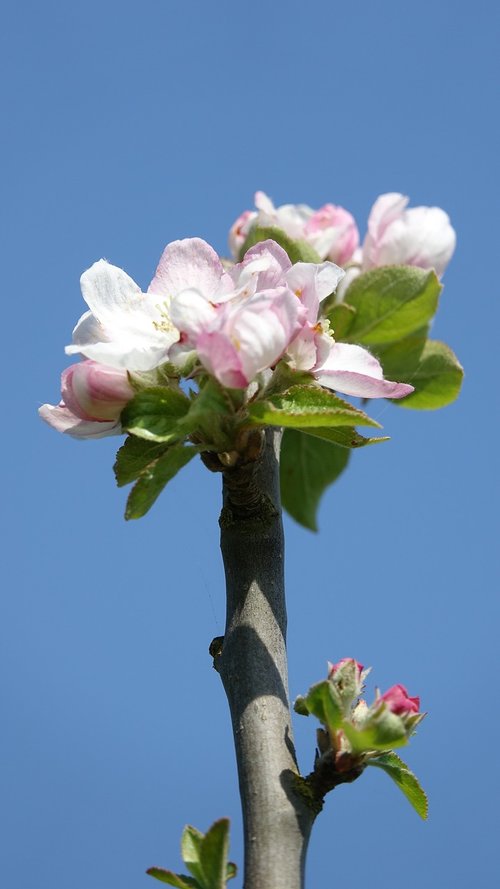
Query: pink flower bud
[(95, 392), (399, 702), (93, 397), (239, 231), (345, 660), (333, 232)]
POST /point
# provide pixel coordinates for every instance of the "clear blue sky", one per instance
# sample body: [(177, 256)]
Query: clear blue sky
[(126, 126)]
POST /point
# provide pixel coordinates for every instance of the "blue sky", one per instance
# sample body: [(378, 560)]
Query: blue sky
[(127, 126)]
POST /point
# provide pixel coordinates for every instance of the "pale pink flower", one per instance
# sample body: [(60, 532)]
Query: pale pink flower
[(331, 230), (312, 283), (249, 328), (419, 236), (398, 701), (93, 397)]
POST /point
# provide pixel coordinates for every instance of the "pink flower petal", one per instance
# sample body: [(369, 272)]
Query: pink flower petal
[(63, 420), (353, 371), (187, 264), (221, 358)]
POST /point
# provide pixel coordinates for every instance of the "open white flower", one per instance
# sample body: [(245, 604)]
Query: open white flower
[(131, 330)]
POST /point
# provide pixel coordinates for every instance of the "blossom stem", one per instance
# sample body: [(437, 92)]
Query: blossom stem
[(253, 666)]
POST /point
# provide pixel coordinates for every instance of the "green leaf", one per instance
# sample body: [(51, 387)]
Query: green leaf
[(401, 358), (322, 703), (134, 456), (284, 377), (181, 881), (308, 465), (382, 736), (345, 436), (154, 414), (405, 780), (205, 855), (212, 415), (163, 375), (437, 379), (155, 477), (308, 406), (298, 251), (391, 302), (300, 706), (191, 842), (341, 318), (214, 850)]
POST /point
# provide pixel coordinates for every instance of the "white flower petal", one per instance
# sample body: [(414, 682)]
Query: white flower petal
[(107, 290)]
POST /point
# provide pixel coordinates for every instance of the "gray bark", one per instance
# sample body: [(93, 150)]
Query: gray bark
[(253, 666)]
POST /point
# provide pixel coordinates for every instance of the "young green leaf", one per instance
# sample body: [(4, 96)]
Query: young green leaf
[(134, 456), (154, 414), (322, 702), (387, 734), (298, 251), (345, 436), (180, 881), (341, 318), (405, 780), (308, 465), (211, 415), (400, 359), (308, 406), (231, 870), (191, 842), (437, 379), (284, 377), (214, 850), (391, 303), (155, 477)]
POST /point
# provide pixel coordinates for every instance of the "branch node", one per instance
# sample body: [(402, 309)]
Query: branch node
[(215, 650)]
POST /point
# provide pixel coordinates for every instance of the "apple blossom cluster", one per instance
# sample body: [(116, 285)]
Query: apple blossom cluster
[(234, 324), (237, 323)]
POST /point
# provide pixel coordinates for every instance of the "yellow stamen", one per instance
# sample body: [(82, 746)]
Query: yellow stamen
[(165, 325)]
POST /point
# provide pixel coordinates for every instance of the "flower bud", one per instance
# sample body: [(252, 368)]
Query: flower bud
[(420, 236), (239, 231), (347, 678), (93, 397), (333, 233), (398, 701), (334, 668), (331, 230)]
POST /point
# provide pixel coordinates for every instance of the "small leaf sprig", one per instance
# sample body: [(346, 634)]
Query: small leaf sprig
[(205, 856)]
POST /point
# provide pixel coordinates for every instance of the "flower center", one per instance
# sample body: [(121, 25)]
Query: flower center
[(165, 324)]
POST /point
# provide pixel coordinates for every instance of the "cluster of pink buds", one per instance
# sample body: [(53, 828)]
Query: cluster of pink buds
[(352, 729)]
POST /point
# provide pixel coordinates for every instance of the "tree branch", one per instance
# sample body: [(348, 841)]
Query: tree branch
[(277, 815)]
